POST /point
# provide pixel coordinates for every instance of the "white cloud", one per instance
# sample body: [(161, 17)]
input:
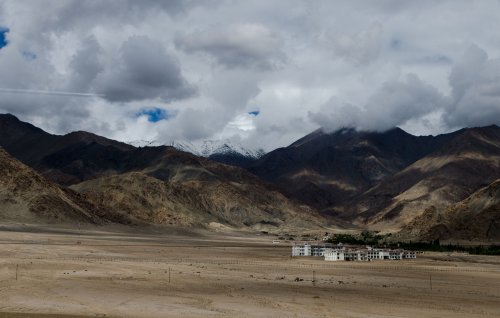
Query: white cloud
[(394, 104), (302, 64), (359, 48)]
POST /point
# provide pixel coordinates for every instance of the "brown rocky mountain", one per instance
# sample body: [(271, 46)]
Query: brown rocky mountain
[(66, 159), (182, 189), (80, 156), (27, 197), (381, 181), (476, 218), (461, 166), (194, 202), (326, 170)]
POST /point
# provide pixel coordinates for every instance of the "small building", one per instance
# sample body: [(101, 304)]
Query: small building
[(366, 254), (312, 248), (373, 253), (335, 255), (396, 254), (342, 252), (356, 255), (301, 249)]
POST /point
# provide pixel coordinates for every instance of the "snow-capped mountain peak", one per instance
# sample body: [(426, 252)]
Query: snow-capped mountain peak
[(206, 148), (144, 143)]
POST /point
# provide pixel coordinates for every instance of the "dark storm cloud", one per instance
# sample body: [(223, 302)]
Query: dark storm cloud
[(88, 13), (56, 47), (143, 70), (434, 59), (475, 82), (233, 46), (85, 65)]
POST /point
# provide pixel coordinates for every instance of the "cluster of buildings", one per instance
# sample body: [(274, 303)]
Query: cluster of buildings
[(341, 252)]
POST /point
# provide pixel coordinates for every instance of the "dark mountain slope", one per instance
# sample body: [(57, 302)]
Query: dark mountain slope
[(64, 159), (192, 188), (198, 203), (326, 170), (476, 218), (26, 196), (469, 161), (233, 158)]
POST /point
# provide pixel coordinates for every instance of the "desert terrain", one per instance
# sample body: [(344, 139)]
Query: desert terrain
[(122, 272)]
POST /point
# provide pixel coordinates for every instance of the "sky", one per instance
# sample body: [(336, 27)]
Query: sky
[(260, 73)]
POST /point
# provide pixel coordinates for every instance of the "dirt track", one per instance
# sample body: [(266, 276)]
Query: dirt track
[(111, 274)]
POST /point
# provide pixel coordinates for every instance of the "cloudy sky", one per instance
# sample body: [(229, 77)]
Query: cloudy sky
[(263, 73)]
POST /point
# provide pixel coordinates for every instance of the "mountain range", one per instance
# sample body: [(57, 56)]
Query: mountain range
[(383, 180), (476, 218), (155, 185), (328, 169), (424, 187), (26, 196), (224, 151)]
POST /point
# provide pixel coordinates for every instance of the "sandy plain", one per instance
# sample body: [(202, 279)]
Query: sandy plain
[(109, 272)]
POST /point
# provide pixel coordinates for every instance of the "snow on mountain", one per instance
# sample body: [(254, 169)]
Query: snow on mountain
[(206, 148)]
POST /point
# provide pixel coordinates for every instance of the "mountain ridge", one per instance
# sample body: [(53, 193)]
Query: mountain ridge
[(476, 218), (26, 196), (195, 186), (381, 181), (343, 163)]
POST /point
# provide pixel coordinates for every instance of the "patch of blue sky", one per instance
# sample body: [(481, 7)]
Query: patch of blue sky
[(155, 114), (3, 36)]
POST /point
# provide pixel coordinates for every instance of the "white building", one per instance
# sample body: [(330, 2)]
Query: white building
[(345, 253), (301, 249), (374, 253), (355, 255), (335, 255), (310, 248), (396, 254), (367, 254)]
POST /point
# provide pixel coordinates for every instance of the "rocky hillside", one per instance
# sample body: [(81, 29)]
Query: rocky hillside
[(326, 170), (183, 189), (468, 162), (27, 197), (382, 181), (80, 156), (191, 202), (476, 218)]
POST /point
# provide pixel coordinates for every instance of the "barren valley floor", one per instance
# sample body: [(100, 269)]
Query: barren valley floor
[(118, 273)]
